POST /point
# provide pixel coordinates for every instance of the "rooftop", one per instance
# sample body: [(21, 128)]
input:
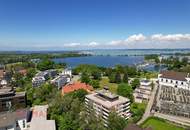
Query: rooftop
[(7, 119), (174, 75), (107, 94), (76, 86), (107, 99), (39, 119)]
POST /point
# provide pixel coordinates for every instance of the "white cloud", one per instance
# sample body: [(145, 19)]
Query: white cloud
[(170, 37), (113, 43), (72, 45), (136, 41), (135, 38), (92, 44)]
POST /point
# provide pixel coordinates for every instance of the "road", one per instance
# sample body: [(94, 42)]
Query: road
[(149, 106)]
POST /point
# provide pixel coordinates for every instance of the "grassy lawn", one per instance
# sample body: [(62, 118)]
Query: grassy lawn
[(105, 82), (159, 124)]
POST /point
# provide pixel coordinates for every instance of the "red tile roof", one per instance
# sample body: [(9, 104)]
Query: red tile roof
[(76, 86)]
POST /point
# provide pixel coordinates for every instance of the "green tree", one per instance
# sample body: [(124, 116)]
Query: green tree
[(119, 69), (96, 75), (117, 78), (85, 78), (95, 84), (45, 65), (125, 90), (18, 80), (112, 77), (125, 78), (31, 73), (116, 122), (80, 94), (135, 83)]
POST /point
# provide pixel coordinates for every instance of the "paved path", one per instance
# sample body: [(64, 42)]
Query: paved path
[(149, 106), (176, 119)]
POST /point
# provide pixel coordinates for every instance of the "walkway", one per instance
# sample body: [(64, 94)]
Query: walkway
[(149, 106)]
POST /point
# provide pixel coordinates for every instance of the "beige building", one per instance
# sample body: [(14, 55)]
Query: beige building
[(103, 102), (143, 92)]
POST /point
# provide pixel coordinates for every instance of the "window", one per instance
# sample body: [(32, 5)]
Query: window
[(161, 79), (23, 121), (176, 82), (181, 83), (171, 81), (166, 80)]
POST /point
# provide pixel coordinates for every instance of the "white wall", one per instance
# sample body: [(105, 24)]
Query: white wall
[(167, 82)]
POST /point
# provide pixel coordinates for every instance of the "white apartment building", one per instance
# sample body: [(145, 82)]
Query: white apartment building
[(67, 72), (174, 79), (143, 92), (103, 102), (60, 81)]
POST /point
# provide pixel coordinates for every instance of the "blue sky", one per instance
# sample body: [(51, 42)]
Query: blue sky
[(83, 24)]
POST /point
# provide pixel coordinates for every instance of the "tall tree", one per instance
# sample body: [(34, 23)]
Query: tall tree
[(85, 78), (125, 90), (118, 78), (125, 78), (116, 122), (135, 83)]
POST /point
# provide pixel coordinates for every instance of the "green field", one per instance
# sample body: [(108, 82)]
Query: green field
[(159, 124), (105, 82)]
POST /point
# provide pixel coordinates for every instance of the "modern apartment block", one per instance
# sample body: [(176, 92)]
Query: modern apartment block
[(60, 81), (11, 99), (143, 92), (103, 102)]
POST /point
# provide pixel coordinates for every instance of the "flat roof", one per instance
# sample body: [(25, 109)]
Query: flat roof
[(7, 119), (39, 119), (107, 94), (105, 102), (42, 125), (5, 90)]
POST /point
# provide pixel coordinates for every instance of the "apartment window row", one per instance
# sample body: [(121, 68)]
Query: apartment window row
[(171, 81)]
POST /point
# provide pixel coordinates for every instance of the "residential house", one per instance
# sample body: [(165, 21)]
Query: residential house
[(60, 81), (42, 77), (38, 81), (67, 72), (76, 86)]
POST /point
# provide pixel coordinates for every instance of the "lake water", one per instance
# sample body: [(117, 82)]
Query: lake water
[(105, 61)]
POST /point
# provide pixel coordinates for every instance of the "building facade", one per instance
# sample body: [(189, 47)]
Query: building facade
[(143, 92), (174, 79), (60, 81), (11, 99), (104, 102)]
